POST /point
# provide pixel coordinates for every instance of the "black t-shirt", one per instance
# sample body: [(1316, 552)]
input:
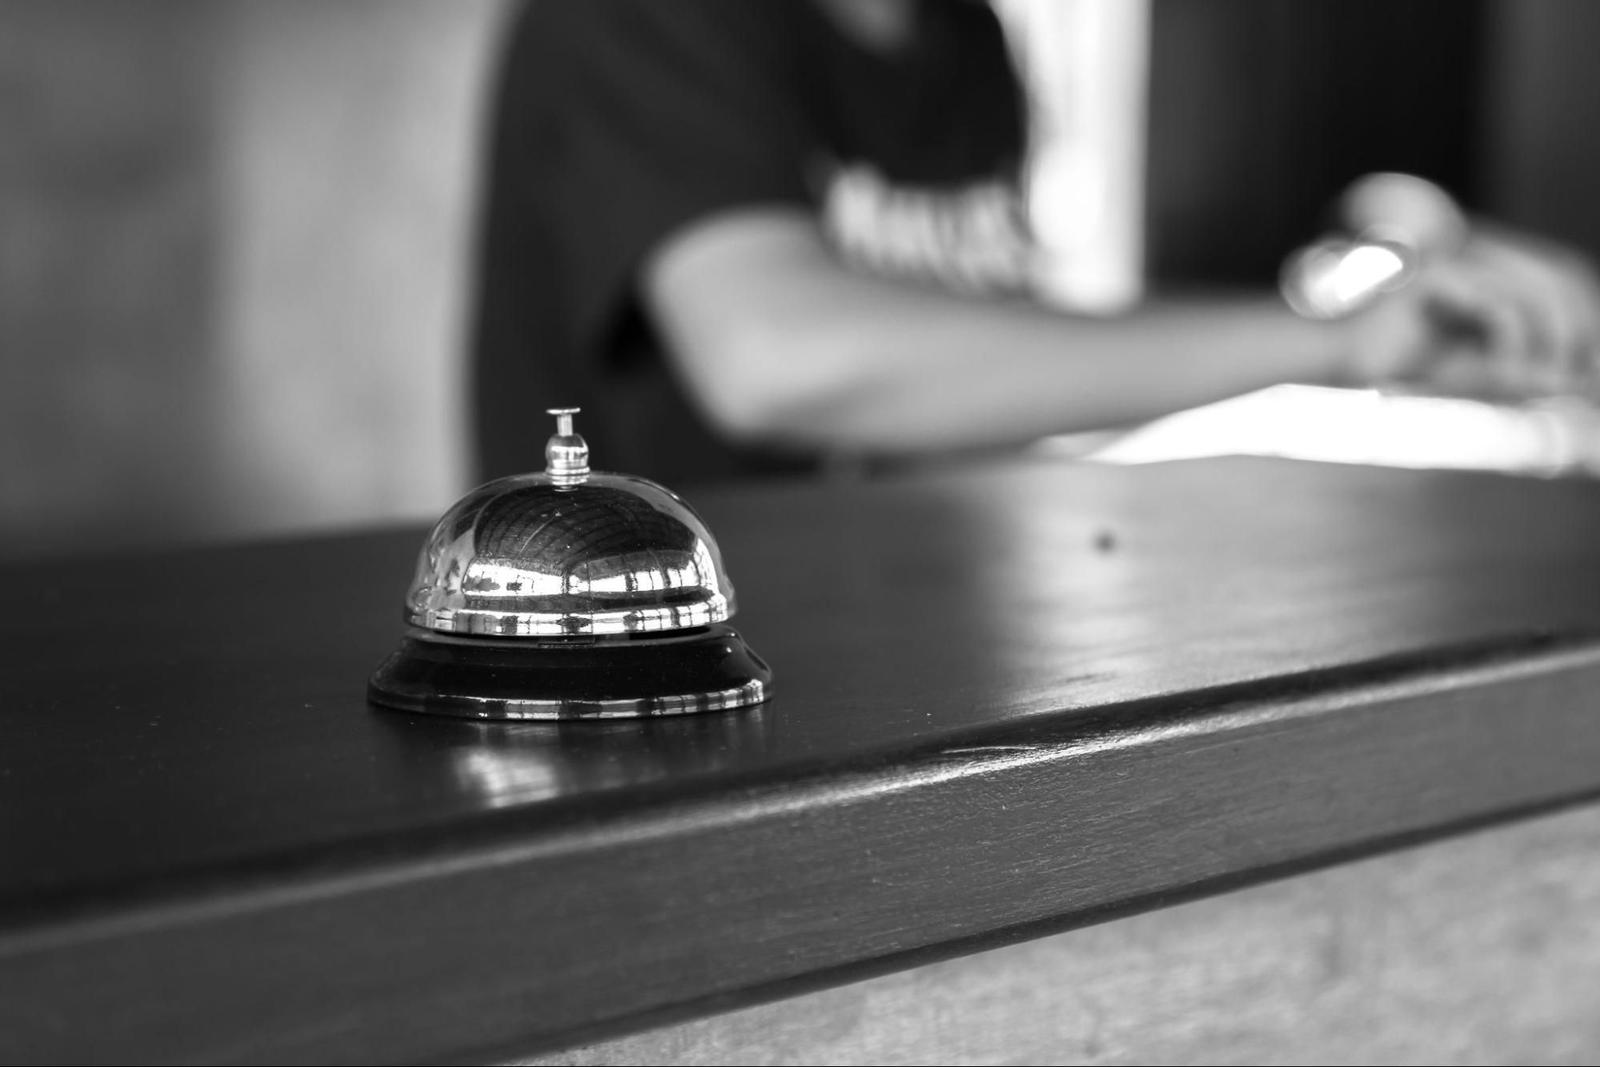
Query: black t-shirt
[(618, 121)]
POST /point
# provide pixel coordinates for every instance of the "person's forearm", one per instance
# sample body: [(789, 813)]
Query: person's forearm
[(797, 349), (914, 371)]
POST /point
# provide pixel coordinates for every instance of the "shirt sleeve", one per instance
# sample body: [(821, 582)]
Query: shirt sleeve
[(668, 111)]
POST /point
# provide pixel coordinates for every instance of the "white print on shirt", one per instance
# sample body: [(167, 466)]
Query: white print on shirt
[(972, 238)]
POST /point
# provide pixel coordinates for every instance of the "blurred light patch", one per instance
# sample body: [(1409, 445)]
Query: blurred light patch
[(1085, 67), (504, 779), (1332, 279), (1559, 436)]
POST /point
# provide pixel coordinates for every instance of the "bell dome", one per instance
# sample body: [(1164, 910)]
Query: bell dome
[(524, 556)]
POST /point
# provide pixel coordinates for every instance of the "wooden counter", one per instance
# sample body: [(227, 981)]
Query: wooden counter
[(1010, 700)]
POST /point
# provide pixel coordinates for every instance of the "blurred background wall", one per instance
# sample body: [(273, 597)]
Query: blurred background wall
[(235, 237), (233, 252)]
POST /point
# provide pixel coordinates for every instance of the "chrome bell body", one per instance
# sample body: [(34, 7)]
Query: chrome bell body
[(527, 557), (570, 594)]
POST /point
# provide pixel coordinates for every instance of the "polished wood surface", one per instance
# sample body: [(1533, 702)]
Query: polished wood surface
[(1010, 699)]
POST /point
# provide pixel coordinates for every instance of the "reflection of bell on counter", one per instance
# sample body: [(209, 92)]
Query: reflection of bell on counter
[(570, 595)]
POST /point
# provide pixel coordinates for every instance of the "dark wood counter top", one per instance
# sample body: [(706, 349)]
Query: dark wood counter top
[(1010, 699)]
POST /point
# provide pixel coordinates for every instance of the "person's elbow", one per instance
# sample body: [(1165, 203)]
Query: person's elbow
[(764, 379), (731, 302)]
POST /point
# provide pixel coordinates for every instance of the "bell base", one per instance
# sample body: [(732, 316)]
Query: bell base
[(709, 668)]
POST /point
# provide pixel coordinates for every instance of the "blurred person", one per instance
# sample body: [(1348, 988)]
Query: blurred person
[(749, 236)]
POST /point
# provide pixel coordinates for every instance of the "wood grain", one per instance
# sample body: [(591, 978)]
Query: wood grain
[(1479, 949), (1012, 699)]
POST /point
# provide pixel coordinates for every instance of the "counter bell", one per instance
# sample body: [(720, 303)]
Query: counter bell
[(570, 594)]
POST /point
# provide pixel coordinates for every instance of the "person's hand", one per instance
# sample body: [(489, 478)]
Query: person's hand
[(1505, 316)]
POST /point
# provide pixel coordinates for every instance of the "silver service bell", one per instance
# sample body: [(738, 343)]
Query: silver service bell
[(570, 594)]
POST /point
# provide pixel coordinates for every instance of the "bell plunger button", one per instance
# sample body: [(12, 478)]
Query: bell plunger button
[(566, 455)]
